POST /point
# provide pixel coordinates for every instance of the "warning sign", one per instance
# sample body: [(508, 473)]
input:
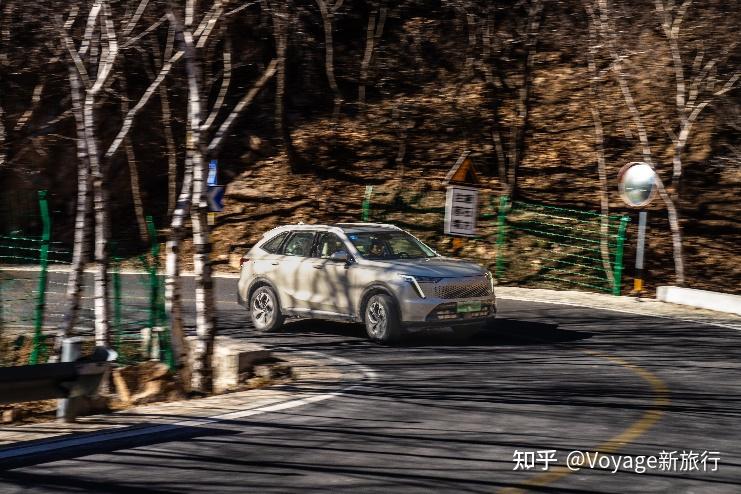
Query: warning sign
[(461, 206)]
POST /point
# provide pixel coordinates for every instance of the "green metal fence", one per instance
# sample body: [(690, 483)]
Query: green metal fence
[(33, 283), (139, 324), (523, 243)]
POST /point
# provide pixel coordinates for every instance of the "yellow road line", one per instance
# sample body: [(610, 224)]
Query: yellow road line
[(614, 444)]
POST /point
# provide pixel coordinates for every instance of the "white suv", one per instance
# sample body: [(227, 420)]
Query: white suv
[(372, 273)]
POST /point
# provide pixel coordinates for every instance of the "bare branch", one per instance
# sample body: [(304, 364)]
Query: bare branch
[(131, 41), (75, 56), (243, 103), (131, 23), (111, 46), (129, 119), (240, 8), (226, 80), (210, 24), (35, 98), (92, 18)]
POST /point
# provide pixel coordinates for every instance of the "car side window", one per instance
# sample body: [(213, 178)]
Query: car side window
[(328, 244), (299, 244), (272, 246)]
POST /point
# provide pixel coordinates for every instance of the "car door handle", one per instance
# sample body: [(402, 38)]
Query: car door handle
[(317, 266), (275, 263)]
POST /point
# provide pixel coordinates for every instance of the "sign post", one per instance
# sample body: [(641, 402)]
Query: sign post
[(461, 200), (214, 192), (637, 185)]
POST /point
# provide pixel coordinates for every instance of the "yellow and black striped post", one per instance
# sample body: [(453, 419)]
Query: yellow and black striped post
[(640, 250)]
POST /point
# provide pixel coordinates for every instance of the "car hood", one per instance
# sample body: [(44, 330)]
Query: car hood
[(443, 267)]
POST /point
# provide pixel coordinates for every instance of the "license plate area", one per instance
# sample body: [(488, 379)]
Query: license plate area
[(468, 306)]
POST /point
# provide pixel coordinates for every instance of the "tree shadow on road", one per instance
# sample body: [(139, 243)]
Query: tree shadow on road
[(506, 332)]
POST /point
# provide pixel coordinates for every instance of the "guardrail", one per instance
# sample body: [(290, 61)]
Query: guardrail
[(65, 380)]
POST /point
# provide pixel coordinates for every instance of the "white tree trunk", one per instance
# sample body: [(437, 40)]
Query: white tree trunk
[(201, 378), (609, 33), (599, 143), (100, 209), (80, 250), (173, 300)]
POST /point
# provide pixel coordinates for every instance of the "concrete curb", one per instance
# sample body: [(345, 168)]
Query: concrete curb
[(627, 305), (702, 299)]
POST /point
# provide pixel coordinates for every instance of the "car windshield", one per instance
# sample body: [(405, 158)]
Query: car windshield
[(389, 245)]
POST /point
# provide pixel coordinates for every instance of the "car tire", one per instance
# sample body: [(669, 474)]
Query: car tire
[(382, 322), (265, 310)]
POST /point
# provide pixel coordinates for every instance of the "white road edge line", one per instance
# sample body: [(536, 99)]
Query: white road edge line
[(624, 311), (55, 444)]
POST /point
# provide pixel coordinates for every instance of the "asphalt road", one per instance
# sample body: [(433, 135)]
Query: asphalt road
[(451, 415)]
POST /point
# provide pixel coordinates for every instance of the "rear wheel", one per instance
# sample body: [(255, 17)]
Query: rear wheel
[(265, 310), (382, 322)]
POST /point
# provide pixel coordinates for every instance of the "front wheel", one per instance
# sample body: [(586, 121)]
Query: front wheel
[(382, 322), (265, 310)]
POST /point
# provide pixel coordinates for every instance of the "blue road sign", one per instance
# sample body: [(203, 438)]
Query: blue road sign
[(215, 198), (212, 170)]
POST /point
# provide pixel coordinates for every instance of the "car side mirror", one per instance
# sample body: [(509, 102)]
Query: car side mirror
[(340, 256)]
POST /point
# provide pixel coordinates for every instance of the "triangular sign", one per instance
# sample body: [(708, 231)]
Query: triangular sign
[(463, 172)]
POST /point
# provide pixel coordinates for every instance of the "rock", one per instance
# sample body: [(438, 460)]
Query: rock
[(10, 416), (122, 388), (273, 371)]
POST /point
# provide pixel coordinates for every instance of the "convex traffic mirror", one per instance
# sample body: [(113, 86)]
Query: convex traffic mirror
[(637, 184)]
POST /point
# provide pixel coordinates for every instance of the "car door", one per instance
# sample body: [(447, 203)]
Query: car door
[(266, 265), (295, 273), (331, 278)]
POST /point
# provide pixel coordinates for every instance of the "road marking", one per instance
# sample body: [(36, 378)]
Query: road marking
[(736, 327), (57, 444), (634, 431)]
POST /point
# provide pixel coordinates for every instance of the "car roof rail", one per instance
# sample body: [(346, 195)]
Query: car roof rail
[(383, 225)]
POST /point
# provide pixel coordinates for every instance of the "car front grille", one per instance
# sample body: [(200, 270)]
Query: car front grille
[(470, 288)]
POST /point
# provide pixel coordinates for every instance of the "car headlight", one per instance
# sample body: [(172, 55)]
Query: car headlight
[(414, 280), (490, 277), (427, 279)]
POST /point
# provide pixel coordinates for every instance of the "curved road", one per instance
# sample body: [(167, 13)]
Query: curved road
[(450, 415)]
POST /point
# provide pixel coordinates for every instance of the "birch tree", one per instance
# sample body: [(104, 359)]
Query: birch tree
[(199, 149), (599, 143), (695, 90), (688, 101), (91, 68), (101, 61)]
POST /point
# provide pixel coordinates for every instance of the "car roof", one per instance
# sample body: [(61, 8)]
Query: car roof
[(346, 227)]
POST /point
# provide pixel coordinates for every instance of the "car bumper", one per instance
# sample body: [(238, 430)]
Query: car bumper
[(431, 311)]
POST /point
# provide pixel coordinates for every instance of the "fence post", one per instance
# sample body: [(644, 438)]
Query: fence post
[(619, 254), (365, 215), (153, 283), (38, 344), (501, 235), (117, 303), (67, 408)]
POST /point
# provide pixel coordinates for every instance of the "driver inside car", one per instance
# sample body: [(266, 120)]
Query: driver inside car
[(376, 249)]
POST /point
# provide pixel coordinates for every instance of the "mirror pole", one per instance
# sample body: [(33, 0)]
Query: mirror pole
[(640, 249)]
